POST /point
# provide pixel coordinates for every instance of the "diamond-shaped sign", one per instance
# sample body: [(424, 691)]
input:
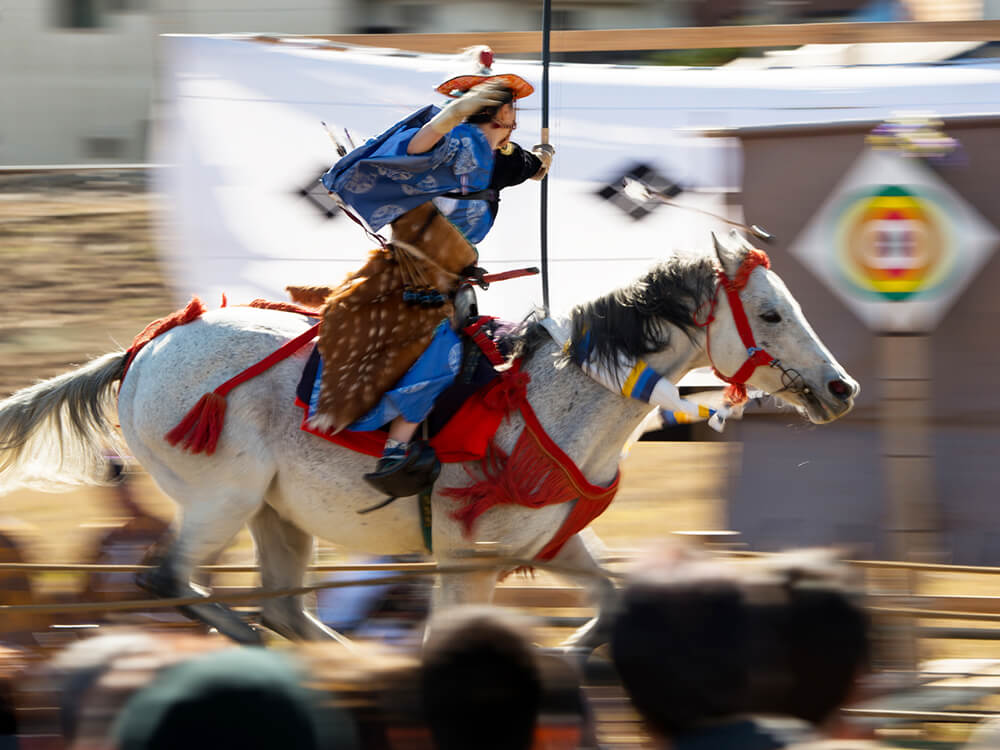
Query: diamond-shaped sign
[(895, 243), (638, 208), (319, 197)]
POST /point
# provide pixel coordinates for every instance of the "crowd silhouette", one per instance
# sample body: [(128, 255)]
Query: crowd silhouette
[(711, 652)]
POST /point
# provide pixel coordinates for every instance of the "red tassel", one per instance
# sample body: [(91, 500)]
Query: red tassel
[(193, 311), (527, 477), (201, 427), (736, 394)]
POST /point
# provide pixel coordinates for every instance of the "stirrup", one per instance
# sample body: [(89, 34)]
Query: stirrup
[(466, 308)]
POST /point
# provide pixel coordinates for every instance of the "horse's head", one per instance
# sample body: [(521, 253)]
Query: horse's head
[(773, 348)]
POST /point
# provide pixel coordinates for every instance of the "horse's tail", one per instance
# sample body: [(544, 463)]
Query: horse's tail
[(54, 433)]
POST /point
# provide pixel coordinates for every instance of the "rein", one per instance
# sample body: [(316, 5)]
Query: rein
[(736, 393)]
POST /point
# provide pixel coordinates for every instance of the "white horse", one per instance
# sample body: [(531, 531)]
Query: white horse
[(290, 486)]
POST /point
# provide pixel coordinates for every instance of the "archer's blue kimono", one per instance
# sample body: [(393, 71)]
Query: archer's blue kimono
[(381, 182), (413, 396)]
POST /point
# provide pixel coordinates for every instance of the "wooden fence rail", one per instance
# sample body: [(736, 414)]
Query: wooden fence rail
[(688, 37)]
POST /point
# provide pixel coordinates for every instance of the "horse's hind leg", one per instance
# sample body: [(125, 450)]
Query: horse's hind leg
[(207, 525), (284, 552)]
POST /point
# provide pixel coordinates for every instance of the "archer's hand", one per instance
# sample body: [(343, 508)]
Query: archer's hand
[(545, 152), (478, 98)]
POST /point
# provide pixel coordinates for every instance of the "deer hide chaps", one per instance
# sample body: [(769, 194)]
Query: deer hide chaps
[(370, 336)]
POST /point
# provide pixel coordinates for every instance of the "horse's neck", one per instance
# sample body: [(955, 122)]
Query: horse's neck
[(588, 421), (682, 356)]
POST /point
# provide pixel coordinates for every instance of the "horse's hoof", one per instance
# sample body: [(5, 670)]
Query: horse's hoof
[(158, 583), (307, 628), (227, 622)]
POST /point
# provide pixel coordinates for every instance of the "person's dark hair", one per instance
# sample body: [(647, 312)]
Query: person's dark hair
[(487, 114), (245, 698), (822, 630), (479, 682), (681, 650), (11, 665), (786, 637), (829, 649)]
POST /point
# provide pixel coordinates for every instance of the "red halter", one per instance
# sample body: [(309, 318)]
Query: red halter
[(736, 393)]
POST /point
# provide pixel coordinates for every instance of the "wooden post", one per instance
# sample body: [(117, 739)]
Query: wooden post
[(911, 513), (911, 517)]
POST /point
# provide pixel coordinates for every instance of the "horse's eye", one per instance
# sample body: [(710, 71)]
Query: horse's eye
[(770, 317)]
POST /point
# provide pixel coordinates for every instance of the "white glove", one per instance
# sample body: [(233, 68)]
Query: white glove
[(544, 152), (478, 98)]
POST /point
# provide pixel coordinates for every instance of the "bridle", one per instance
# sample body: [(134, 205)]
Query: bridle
[(736, 393)]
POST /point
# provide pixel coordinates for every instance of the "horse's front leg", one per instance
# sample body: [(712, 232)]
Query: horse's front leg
[(284, 552), (578, 553)]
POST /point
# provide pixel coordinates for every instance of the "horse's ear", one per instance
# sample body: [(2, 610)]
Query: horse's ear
[(744, 243), (740, 240), (730, 259), (720, 249)]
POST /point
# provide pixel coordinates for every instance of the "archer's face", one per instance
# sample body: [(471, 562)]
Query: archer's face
[(506, 118), (507, 115)]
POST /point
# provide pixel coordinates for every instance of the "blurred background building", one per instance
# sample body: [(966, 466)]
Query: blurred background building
[(78, 77)]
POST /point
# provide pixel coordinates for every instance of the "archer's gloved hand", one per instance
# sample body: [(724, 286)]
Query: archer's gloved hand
[(544, 152), (478, 98)]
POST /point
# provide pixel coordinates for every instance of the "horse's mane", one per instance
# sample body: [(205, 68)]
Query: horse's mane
[(628, 321)]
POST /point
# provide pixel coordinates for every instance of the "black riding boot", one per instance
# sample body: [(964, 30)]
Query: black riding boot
[(408, 474)]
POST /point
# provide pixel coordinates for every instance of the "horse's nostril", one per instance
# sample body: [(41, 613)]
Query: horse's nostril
[(840, 389)]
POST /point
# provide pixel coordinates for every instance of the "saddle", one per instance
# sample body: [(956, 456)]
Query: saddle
[(379, 320)]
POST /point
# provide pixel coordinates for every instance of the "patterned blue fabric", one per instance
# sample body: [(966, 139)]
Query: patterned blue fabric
[(413, 396), (381, 182)]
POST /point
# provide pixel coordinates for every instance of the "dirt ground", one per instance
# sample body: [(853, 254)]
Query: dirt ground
[(80, 274)]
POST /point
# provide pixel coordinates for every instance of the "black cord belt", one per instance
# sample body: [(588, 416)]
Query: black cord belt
[(489, 194)]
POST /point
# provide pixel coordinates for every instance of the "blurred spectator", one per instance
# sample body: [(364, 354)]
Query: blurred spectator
[(381, 686), (12, 663), (565, 720), (247, 698), (742, 655), (681, 647), (389, 612), (130, 544), (480, 684), (16, 589), (90, 680), (378, 685), (819, 622)]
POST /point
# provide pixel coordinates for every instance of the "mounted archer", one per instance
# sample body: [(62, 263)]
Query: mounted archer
[(388, 345)]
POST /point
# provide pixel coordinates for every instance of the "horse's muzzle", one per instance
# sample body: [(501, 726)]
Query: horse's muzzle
[(832, 402)]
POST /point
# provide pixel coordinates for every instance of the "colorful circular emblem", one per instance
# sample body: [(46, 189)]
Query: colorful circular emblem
[(892, 243)]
